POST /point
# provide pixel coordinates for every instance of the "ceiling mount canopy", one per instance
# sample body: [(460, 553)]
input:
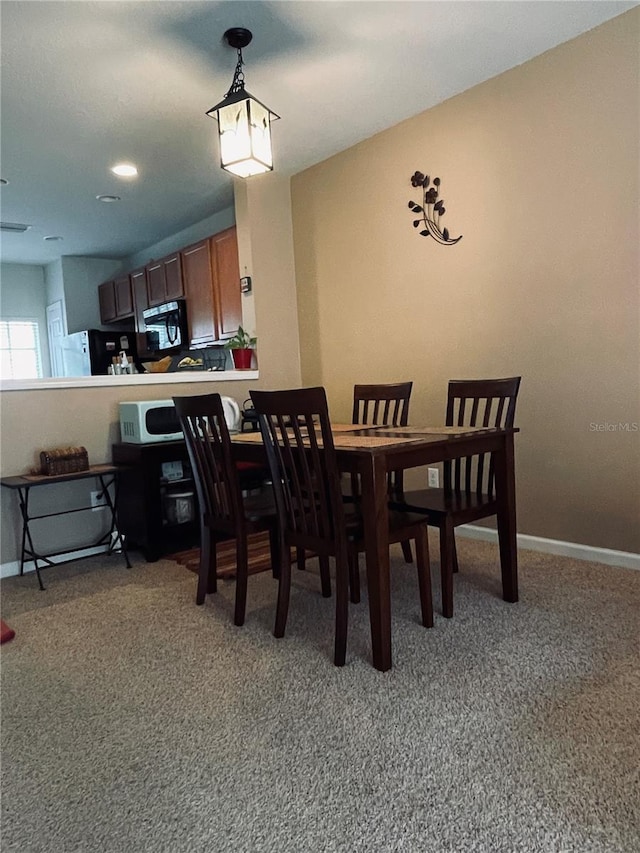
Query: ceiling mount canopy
[(244, 123)]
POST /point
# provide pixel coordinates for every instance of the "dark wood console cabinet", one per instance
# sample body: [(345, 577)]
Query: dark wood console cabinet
[(157, 504), (158, 509)]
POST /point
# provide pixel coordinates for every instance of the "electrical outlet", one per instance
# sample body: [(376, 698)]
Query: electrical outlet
[(97, 501), (433, 478)]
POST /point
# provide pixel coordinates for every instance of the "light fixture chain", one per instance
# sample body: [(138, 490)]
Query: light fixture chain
[(237, 84)]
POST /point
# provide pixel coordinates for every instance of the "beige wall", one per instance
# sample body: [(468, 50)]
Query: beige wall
[(539, 171), (33, 420), (265, 247)]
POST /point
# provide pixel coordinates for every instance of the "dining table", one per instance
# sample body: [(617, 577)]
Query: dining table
[(372, 452)]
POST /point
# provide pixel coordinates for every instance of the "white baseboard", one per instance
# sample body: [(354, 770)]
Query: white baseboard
[(7, 570), (622, 559)]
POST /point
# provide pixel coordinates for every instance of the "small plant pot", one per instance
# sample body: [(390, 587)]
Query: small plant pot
[(241, 358)]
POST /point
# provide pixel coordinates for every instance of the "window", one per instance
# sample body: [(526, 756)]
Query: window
[(20, 350)]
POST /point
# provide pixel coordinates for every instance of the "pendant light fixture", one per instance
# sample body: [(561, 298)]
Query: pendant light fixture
[(244, 124)]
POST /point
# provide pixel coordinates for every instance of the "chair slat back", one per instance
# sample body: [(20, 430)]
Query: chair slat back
[(478, 402), (299, 445), (209, 447), (382, 405)]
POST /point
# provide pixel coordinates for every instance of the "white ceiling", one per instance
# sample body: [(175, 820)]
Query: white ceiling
[(87, 84)]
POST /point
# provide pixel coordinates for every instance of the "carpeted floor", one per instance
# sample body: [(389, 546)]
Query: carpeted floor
[(133, 720)]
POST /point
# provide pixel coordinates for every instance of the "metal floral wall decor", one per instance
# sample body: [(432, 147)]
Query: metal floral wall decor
[(431, 210)]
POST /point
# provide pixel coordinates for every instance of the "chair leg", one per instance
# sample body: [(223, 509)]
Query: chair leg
[(325, 576), (242, 576), (406, 551), (342, 610), (455, 553), (424, 576), (212, 559), (301, 559), (284, 589), (354, 578), (446, 566), (207, 578), (274, 547)]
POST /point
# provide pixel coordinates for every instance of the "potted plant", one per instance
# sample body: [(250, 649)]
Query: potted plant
[(241, 346)]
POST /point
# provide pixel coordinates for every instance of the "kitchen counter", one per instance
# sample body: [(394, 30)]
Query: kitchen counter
[(192, 376)]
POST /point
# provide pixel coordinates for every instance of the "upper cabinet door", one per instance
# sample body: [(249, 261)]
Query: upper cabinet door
[(155, 283), (140, 297), (164, 280), (116, 300), (212, 288), (198, 289), (226, 274), (107, 299), (123, 296), (174, 288)]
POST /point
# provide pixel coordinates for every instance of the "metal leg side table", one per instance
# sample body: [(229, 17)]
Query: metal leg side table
[(106, 476)]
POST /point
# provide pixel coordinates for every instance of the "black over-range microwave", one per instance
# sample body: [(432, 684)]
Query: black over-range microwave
[(166, 327)]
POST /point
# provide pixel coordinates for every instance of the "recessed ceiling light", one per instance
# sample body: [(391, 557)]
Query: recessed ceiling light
[(3, 182), (124, 170), (108, 198), (52, 237), (16, 227)]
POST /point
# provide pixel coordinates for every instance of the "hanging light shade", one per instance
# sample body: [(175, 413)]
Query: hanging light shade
[(244, 123)]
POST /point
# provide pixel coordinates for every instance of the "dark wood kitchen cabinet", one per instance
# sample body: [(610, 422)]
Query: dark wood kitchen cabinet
[(164, 280), (107, 299), (157, 504), (226, 276), (116, 299), (211, 276), (140, 303), (140, 298), (196, 267), (124, 296)]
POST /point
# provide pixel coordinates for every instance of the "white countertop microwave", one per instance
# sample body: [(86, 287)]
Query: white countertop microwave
[(147, 421)]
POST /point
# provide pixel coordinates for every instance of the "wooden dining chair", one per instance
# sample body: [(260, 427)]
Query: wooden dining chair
[(226, 512), (468, 492), (376, 405), (383, 405), (299, 445)]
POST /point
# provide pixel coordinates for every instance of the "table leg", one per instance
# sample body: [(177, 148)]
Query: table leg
[(376, 537), (506, 499), (447, 550)]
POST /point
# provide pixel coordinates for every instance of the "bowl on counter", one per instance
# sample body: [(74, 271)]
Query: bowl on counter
[(161, 366)]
